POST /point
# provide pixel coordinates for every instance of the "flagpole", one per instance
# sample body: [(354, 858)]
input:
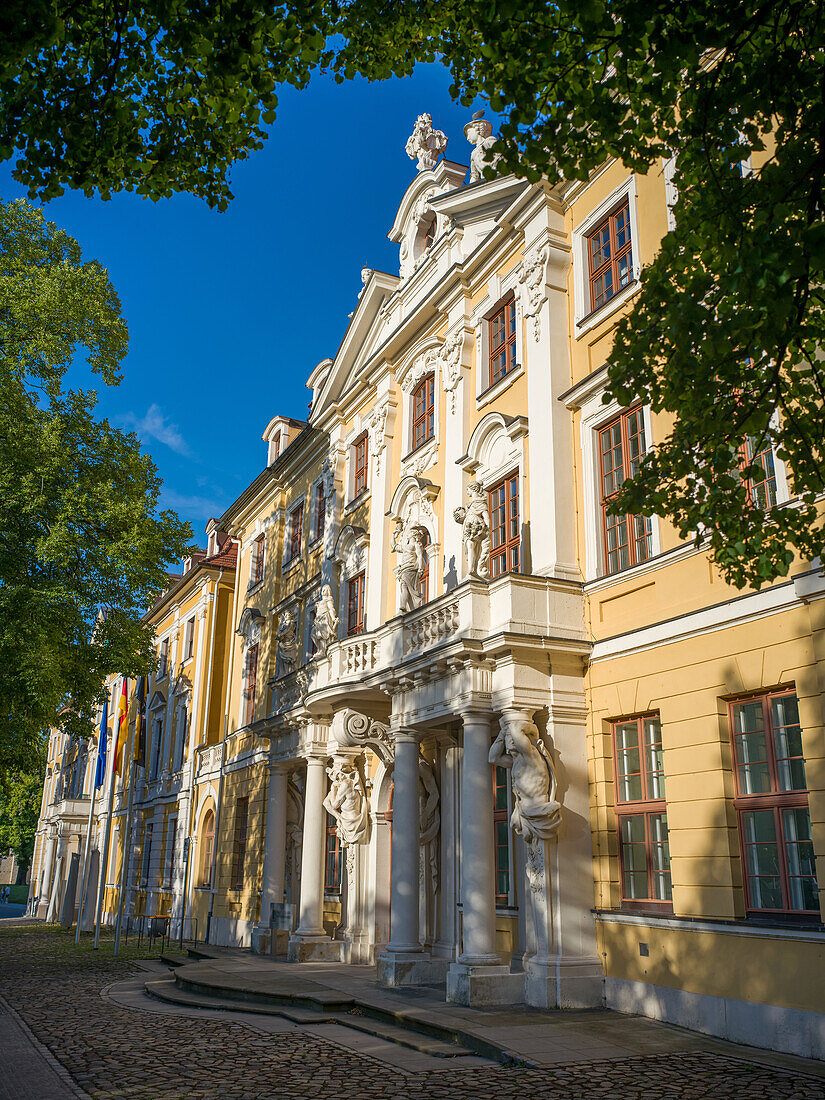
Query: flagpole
[(86, 847), (104, 863), (127, 844)]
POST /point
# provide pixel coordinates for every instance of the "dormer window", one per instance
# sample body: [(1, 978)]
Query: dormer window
[(429, 233)]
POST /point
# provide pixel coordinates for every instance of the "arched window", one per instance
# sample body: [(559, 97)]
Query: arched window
[(424, 411), (207, 847), (429, 235)]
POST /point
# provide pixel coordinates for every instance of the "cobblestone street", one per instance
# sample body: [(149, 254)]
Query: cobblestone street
[(110, 1051)]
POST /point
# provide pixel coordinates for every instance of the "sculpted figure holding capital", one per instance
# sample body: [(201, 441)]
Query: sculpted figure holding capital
[(519, 746), (346, 802)]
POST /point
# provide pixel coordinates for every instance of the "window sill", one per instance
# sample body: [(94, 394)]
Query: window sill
[(498, 388), (804, 930), (360, 499), (289, 565), (250, 588), (606, 309), (315, 542), (420, 447)]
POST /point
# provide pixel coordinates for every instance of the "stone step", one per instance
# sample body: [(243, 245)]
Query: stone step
[(168, 991), (413, 1040), (320, 999), (173, 959)]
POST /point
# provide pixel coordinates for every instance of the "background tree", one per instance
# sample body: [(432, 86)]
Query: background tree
[(82, 546), (726, 331), (20, 796)]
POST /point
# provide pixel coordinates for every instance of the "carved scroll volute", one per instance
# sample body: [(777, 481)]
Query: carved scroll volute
[(354, 730)]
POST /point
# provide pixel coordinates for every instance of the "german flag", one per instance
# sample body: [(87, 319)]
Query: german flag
[(140, 723), (122, 726)]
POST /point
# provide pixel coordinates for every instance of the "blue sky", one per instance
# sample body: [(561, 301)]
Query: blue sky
[(229, 313)]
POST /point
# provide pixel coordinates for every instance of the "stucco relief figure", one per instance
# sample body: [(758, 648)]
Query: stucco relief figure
[(536, 814), (287, 644), (408, 542), (346, 802), (475, 531), (425, 143), (325, 626), (479, 132)]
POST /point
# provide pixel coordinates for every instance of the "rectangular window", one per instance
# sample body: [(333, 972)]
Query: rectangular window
[(256, 565), (147, 853), (239, 841), (610, 256), (641, 812), (163, 660), (355, 604), (424, 411), (251, 679), (757, 451), (502, 337), (296, 531), (772, 805), (501, 826), (628, 540), (189, 639), (171, 839), (505, 527), (361, 455), (157, 736), (320, 511), (332, 859)]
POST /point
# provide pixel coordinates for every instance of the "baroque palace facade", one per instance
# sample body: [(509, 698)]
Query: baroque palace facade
[(423, 704)]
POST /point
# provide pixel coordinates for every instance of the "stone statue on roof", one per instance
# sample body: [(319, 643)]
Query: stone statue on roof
[(425, 143), (479, 132)]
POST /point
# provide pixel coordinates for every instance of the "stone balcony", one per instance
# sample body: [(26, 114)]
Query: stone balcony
[(72, 809), (475, 621)]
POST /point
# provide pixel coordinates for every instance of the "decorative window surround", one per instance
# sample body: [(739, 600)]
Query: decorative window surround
[(500, 387), (288, 562), (415, 367), (587, 397), (585, 317), (498, 289)]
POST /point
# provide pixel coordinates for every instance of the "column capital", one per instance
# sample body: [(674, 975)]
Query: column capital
[(405, 735)]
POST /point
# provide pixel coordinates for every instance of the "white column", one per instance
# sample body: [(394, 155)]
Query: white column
[(272, 879), (447, 945), (404, 885), (44, 892)]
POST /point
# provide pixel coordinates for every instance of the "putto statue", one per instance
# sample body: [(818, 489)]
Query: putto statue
[(287, 644), (425, 143), (345, 800), (537, 814), (326, 622), (408, 541), (475, 531), (479, 132)]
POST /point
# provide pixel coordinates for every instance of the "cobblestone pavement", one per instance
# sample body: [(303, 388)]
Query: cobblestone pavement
[(114, 1052)]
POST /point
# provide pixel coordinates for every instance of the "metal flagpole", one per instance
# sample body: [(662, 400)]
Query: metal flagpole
[(104, 862), (86, 848), (127, 837)]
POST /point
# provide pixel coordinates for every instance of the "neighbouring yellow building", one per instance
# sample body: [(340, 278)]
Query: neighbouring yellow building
[(423, 704)]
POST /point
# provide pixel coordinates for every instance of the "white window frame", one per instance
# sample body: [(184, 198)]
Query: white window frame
[(253, 559), (585, 316), (189, 636), (497, 290)]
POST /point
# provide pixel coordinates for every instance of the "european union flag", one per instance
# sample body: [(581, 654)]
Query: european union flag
[(100, 773)]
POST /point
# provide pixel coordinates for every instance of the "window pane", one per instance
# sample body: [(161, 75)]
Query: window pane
[(762, 859), (501, 789), (628, 763), (642, 537), (799, 852), (634, 857), (612, 459), (600, 247), (622, 223), (653, 758), (751, 748), (624, 268), (502, 859), (635, 440), (617, 554), (660, 857), (787, 737)]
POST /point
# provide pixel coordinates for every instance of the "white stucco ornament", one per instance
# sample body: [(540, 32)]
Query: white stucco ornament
[(346, 801), (479, 133), (475, 531), (377, 429), (408, 542), (425, 144), (325, 624), (287, 644), (534, 278), (450, 359), (537, 814)]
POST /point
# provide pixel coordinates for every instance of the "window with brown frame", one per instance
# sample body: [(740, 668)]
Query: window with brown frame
[(320, 511), (251, 681), (296, 531), (256, 565), (772, 805), (424, 411), (501, 825), (163, 662), (332, 858), (502, 336), (147, 853), (627, 540), (757, 451), (505, 527), (360, 449), (424, 583), (189, 639), (641, 813), (355, 604), (239, 841), (610, 255), (207, 847)]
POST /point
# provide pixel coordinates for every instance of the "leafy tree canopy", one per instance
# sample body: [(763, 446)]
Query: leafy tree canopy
[(20, 795), (82, 546), (726, 329)]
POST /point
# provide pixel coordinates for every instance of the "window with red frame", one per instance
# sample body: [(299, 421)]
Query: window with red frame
[(251, 681), (320, 511), (501, 825), (627, 539), (332, 858), (505, 527), (355, 604), (641, 812), (207, 847), (163, 665), (296, 530), (424, 583), (772, 805), (256, 566), (361, 452), (424, 411), (239, 841), (610, 256), (502, 336), (757, 452)]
